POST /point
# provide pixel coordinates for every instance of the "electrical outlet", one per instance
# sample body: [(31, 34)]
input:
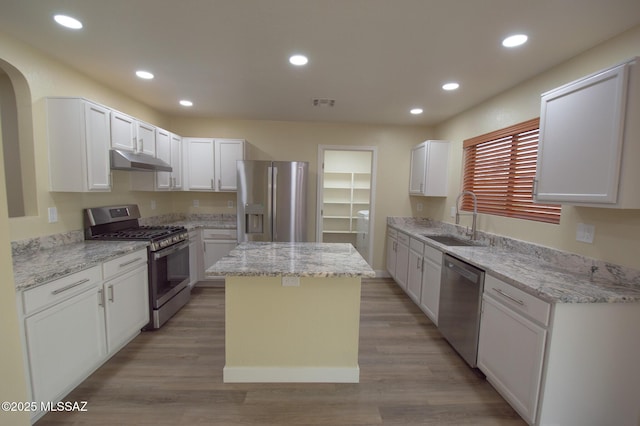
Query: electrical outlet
[(53, 214), (196, 203), (153, 204), (419, 207), (585, 233), (230, 204), (452, 213), (290, 281)]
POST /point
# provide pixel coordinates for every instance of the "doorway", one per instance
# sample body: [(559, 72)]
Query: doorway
[(346, 196)]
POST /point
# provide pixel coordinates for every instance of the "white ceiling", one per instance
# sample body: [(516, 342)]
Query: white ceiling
[(376, 58)]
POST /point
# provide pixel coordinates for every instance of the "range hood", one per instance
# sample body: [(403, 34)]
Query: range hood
[(125, 160)]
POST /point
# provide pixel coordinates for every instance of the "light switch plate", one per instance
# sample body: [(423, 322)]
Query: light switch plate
[(153, 204), (419, 207), (290, 281), (53, 214), (230, 204), (452, 213)]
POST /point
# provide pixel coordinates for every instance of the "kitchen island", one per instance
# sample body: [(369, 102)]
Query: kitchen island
[(292, 312)]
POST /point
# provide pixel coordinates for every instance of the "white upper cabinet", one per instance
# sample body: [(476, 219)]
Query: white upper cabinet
[(429, 168), (163, 152), (129, 134), (211, 163), (123, 132), (78, 139), (228, 152), (588, 149), (176, 162)]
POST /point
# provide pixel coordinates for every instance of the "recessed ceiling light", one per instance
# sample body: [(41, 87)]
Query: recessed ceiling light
[(186, 103), (450, 86), (298, 60), (416, 111), (144, 74), (68, 22), (515, 40)]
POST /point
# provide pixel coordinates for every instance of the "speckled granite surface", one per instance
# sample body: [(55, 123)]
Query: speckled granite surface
[(42, 259), (551, 275), (31, 269), (293, 259)]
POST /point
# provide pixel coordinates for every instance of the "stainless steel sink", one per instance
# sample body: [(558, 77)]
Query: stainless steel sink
[(450, 240)]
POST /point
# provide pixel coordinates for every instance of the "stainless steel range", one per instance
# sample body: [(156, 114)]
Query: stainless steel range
[(168, 252)]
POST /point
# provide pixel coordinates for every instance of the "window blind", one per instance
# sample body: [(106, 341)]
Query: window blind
[(499, 167)]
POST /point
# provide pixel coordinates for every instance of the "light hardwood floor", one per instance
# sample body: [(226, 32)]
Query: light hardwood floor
[(409, 375)]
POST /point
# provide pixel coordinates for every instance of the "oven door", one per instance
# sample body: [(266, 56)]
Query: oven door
[(168, 272)]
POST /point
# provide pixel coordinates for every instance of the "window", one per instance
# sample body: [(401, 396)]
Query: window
[(500, 167)]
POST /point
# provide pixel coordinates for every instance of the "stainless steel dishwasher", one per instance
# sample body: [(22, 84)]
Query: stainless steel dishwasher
[(460, 303)]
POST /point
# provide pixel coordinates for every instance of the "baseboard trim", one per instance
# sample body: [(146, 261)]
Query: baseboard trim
[(291, 374)]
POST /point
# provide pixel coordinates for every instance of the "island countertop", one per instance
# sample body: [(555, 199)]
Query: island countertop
[(292, 259)]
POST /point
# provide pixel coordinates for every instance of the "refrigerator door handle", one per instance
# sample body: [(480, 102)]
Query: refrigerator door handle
[(274, 206)]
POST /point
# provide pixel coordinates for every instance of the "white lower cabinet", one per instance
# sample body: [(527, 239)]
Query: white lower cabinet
[(72, 325), (415, 266), (392, 248), (216, 244), (510, 353), (430, 290), (195, 257), (65, 343), (402, 260), (126, 307)]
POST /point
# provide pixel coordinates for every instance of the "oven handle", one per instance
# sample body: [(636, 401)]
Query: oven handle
[(169, 250)]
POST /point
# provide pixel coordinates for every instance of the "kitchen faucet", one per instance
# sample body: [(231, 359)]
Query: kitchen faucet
[(474, 234)]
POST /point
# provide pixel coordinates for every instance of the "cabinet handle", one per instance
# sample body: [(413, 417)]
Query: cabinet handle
[(100, 297), (141, 145), (212, 184), (70, 286), (110, 288), (122, 265), (508, 296), (421, 186), (135, 143), (418, 263), (219, 184)]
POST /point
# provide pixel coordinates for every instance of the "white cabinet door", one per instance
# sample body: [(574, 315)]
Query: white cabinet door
[(78, 136), (123, 132), (228, 152), (200, 164), (430, 292), (146, 138), (418, 164), (414, 279), (127, 307), (429, 169), (176, 162), (588, 151), (216, 250), (510, 353), (402, 262), (65, 343), (392, 247), (97, 145), (163, 152)]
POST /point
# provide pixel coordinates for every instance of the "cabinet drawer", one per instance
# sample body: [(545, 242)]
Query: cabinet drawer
[(416, 245), (403, 239), (392, 233), (61, 289), (219, 234), (517, 299), (124, 263), (433, 254)]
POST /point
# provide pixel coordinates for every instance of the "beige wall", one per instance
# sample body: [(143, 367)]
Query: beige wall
[(12, 383), (617, 232), (47, 77)]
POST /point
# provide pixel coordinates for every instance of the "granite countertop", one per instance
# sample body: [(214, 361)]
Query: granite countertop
[(571, 282), (293, 259), (31, 269)]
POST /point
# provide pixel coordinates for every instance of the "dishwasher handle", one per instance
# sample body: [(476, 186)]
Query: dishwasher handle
[(470, 275)]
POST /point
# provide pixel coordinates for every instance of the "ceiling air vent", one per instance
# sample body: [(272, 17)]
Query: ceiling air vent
[(323, 102)]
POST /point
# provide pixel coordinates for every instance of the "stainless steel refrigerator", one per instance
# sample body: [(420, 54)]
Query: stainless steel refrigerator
[(272, 200)]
